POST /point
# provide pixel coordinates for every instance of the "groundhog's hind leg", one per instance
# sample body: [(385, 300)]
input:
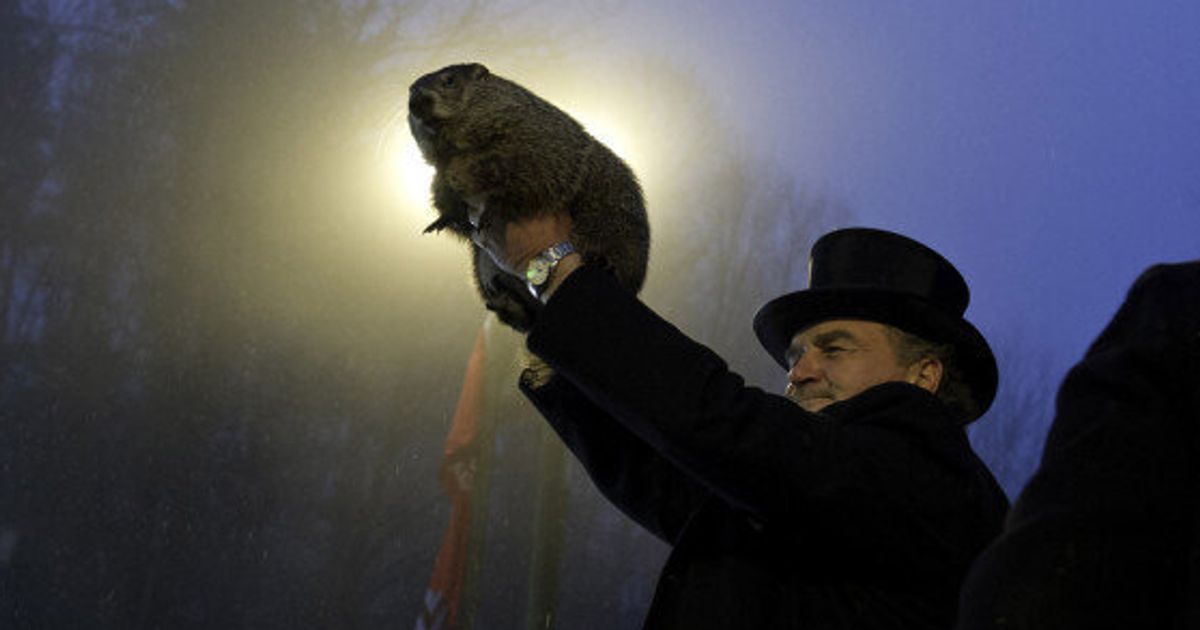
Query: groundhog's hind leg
[(503, 293)]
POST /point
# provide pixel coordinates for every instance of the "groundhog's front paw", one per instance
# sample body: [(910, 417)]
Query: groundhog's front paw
[(508, 297)]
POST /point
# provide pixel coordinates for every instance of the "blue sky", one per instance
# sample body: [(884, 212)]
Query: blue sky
[(1050, 150)]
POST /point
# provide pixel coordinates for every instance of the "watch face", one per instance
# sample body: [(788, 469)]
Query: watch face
[(538, 271)]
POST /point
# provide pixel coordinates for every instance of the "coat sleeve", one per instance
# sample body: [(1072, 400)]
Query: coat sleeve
[(1102, 535), (757, 451), (645, 486)]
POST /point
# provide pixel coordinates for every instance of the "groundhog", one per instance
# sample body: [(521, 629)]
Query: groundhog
[(502, 153)]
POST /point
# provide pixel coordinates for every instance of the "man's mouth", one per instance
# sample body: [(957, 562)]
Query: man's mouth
[(807, 396)]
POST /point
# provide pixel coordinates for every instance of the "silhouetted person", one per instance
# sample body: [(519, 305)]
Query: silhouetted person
[(1105, 534), (854, 501)]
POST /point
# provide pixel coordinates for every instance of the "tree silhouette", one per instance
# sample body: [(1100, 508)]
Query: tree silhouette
[(1010, 435)]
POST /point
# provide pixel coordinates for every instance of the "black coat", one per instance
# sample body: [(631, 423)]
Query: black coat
[(866, 515), (1105, 535)]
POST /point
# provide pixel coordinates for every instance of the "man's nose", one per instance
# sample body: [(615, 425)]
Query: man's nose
[(804, 369)]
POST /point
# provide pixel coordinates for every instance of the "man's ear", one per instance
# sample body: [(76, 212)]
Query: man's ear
[(926, 374)]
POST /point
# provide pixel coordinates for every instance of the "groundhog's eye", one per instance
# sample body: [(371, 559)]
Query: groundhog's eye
[(448, 80)]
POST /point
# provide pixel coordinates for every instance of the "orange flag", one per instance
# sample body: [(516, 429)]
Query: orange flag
[(457, 476)]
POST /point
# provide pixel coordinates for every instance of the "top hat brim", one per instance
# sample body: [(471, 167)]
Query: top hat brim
[(778, 321)]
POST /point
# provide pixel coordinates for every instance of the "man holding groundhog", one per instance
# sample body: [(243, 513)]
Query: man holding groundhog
[(852, 501)]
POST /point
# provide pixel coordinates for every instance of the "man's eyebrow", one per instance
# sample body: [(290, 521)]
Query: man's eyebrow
[(823, 339), (831, 336)]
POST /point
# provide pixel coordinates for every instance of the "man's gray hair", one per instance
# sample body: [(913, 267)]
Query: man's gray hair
[(952, 389)]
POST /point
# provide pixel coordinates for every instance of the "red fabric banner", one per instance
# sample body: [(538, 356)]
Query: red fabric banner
[(457, 476)]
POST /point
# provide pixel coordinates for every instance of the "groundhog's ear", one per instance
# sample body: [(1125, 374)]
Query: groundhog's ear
[(478, 71)]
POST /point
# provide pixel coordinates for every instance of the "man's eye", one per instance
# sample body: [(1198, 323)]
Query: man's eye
[(832, 349)]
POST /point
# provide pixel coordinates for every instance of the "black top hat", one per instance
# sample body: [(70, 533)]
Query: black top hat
[(862, 273)]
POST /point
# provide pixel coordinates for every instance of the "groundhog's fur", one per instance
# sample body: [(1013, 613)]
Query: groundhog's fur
[(502, 153)]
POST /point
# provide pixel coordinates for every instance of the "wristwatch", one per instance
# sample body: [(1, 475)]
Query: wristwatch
[(537, 273)]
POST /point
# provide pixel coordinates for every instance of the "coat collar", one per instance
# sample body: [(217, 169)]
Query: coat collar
[(894, 404)]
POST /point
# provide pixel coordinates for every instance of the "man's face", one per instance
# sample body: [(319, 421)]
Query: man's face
[(840, 358)]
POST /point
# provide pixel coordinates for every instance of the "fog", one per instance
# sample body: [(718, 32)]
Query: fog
[(231, 359)]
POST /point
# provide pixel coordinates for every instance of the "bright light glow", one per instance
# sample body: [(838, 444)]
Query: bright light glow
[(610, 134), (413, 175), (400, 206)]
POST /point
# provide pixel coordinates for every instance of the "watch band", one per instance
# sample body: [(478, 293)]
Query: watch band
[(538, 271)]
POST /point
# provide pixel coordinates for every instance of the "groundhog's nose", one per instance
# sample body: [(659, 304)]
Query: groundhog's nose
[(420, 103)]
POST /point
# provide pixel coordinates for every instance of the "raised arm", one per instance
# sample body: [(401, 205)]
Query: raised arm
[(641, 483)]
